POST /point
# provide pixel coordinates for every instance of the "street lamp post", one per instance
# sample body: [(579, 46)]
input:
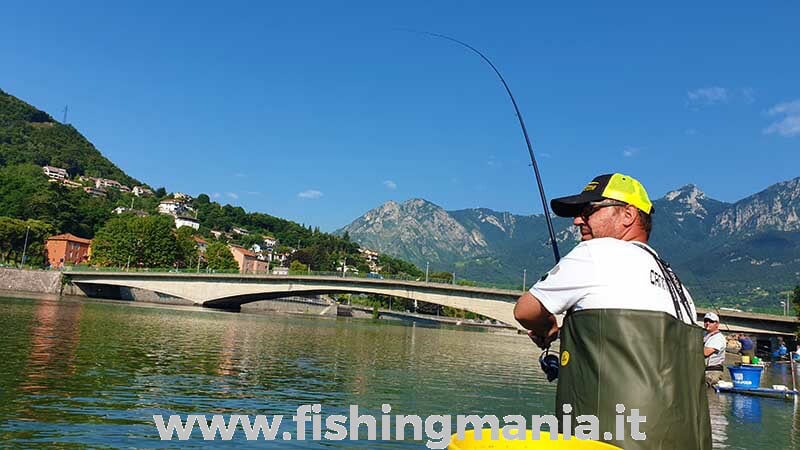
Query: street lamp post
[(427, 266), (454, 278), (25, 247), (524, 279)]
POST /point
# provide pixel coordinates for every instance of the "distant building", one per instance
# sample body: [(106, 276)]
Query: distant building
[(270, 241), (124, 210), (67, 249), (217, 233), (55, 172), (182, 196), (280, 271), (171, 207), (183, 221), (66, 182), (95, 191), (106, 183), (141, 191), (201, 243), (247, 260), (240, 231)]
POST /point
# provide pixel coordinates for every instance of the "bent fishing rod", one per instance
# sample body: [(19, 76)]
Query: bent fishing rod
[(545, 207)]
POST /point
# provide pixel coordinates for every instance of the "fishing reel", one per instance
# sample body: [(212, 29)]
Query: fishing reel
[(549, 363)]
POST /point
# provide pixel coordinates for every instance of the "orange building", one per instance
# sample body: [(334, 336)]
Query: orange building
[(247, 260), (67, 249)]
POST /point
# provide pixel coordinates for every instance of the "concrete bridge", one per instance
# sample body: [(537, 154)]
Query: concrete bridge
[(230, 291), (226, 291)]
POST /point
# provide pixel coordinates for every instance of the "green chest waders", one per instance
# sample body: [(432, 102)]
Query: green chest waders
[(644, 360)]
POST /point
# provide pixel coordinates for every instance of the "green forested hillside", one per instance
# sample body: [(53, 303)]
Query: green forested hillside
[(28, 135), (30, 138)]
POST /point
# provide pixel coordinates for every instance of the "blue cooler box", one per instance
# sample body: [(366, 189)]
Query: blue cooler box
[(745, 377)]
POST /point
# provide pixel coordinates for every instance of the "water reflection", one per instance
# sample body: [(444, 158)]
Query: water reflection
[(55, 335), (87, 373)]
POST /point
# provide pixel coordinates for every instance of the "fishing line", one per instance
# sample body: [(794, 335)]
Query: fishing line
[(549, 362), (545, 207)]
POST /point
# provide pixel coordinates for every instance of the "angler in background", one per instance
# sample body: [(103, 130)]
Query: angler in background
[(629, 335), (714, 344)]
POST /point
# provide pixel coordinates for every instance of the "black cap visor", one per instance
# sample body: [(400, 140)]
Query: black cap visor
[(572, 205)]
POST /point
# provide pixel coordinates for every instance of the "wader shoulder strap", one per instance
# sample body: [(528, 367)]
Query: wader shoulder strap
[(674, 284)]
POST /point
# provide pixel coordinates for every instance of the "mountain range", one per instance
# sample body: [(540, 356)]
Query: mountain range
[(743, 254)]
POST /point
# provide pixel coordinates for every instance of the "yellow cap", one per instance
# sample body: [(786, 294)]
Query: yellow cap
[(615, 186)]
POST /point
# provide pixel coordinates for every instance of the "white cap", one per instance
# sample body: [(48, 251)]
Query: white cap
[(711, 316)]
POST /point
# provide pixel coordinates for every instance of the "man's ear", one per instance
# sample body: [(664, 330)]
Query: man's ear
[(630, 215)]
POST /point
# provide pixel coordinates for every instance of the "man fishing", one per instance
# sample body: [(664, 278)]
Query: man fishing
[(629, 337)]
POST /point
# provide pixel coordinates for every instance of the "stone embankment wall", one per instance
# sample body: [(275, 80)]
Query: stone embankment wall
[(40, 281), (316, 305)]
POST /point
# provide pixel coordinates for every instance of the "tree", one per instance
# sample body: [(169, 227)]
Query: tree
[(442, 276), (796, 300), (13, 236), (130, 241), (297, 268), (188, 253), (219, 257)]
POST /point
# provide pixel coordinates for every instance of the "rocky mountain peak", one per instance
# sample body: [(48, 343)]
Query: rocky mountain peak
[(775, 208), (691, 198)]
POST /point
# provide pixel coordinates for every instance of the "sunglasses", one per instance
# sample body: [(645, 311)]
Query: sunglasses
[(709, 321), (592, 208)]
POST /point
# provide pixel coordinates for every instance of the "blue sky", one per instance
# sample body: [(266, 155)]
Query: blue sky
[(320, 111)]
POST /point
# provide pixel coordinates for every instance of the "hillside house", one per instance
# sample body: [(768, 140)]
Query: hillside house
[(67, 249), (182, 196), (240, 231), (141, 191), (183, 221), (201, 244), (66, 182), (95, 191), (106, 183), (269, 241), (124, 210), (56, 173), (171, 207), (247, 260)]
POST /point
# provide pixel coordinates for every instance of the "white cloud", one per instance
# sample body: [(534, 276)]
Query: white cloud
[(792, 107), (630, 151), (240, 175), (216, 195), (707, 96), (310, 194), (253, 193), (232, 195), (789, 125), (749, 95), (390, 184)]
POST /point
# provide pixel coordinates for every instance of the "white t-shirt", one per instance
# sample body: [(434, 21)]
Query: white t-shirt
[(718, 343), (607, 273)]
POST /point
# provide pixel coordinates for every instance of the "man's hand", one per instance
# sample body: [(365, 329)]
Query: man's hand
[(543, 342)]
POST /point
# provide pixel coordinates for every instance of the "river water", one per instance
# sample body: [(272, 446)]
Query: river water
[(77, 373)]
